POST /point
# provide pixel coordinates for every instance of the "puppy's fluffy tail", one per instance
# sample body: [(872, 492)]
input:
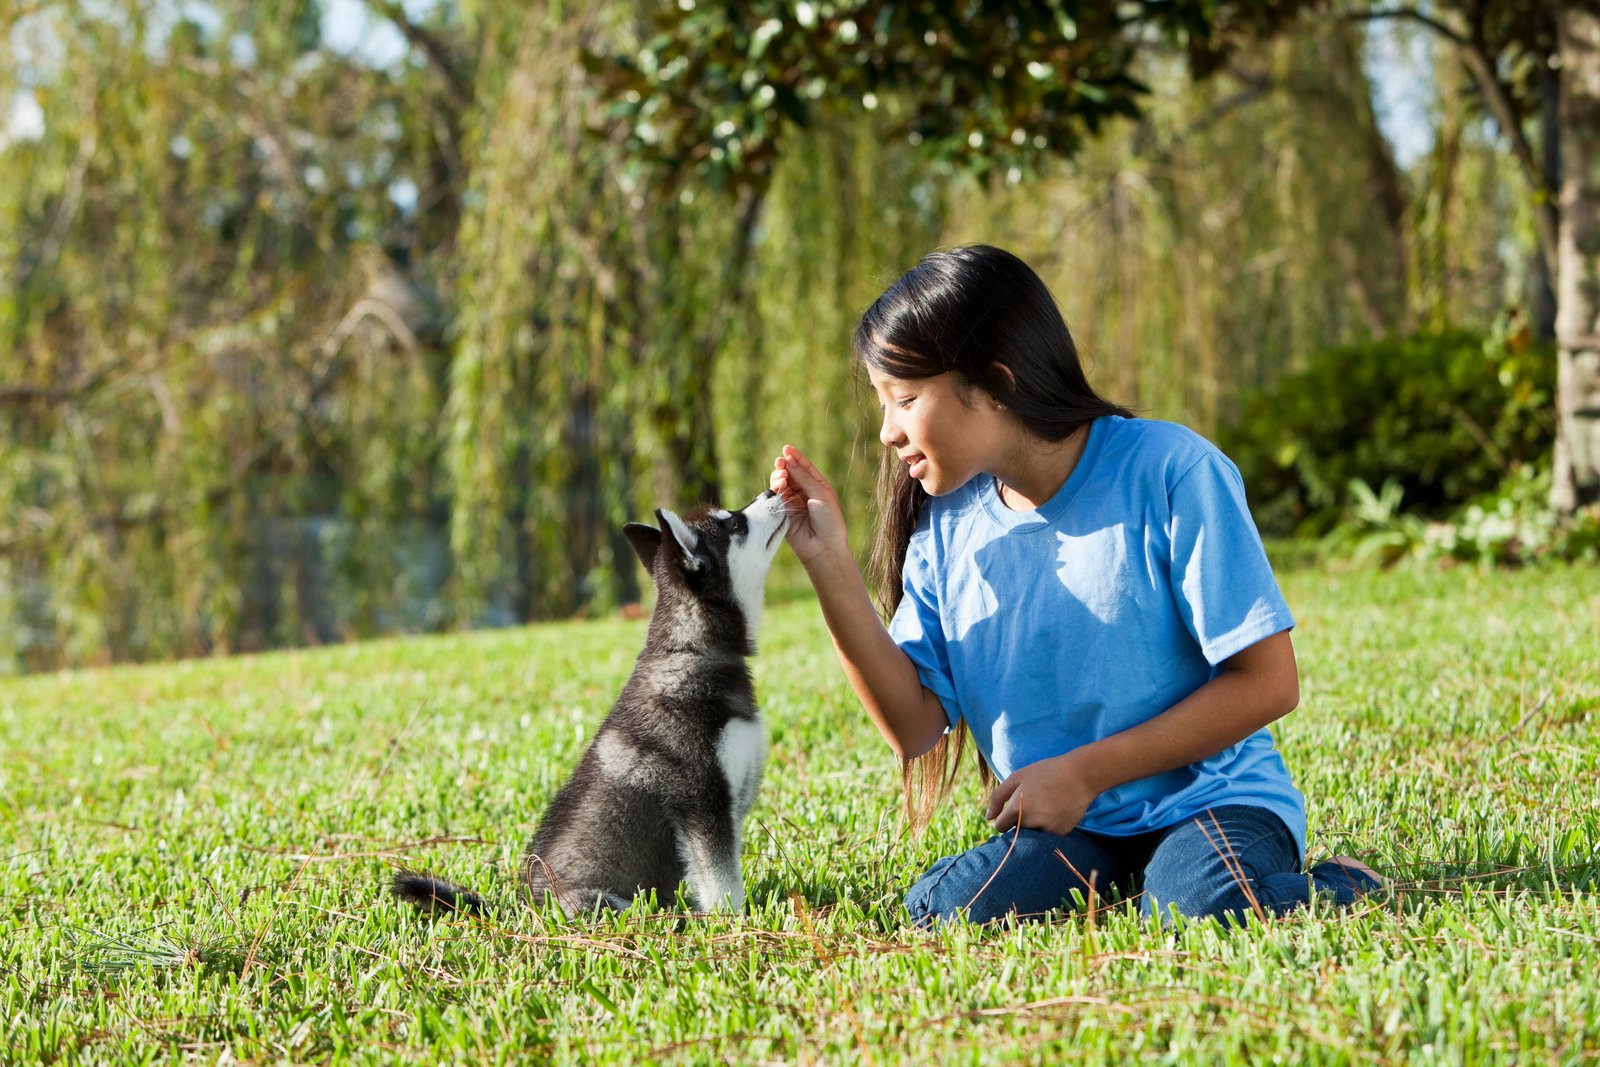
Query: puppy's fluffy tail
[(434, 895)]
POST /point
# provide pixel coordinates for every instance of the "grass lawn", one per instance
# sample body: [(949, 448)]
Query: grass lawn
[(194, 855)]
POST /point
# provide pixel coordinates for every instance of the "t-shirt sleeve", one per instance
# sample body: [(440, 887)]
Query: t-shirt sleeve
[(1220, 576), (917, 629)]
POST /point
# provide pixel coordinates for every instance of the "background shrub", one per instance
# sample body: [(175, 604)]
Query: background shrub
[(1444, 417)]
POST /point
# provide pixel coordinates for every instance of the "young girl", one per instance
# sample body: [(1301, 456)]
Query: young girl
[(1086, 593)]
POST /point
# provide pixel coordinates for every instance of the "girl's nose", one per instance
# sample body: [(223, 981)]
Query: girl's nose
[(888, 432)]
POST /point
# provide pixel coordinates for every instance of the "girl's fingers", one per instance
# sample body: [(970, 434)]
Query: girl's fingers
[(788, 473), (1006, 818), (1002, 793), (795, 455), (783, 483), (803, 477), (793, 500), (809, 499)]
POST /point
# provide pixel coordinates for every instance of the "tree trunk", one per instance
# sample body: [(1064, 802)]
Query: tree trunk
[(1577, 460), (1544, 281)]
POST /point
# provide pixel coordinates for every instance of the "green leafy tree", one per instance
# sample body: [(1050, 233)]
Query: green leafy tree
[(217, 329), (1000, 86), (276, 320), (1536, 66), (716, 90)]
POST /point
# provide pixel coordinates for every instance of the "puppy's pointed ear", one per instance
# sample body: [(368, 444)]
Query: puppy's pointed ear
[(687, 540), (646, 540)]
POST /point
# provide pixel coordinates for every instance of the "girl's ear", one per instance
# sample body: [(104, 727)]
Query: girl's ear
[(679, 533), (1003, 377)]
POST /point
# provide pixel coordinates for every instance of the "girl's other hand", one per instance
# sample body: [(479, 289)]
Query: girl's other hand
[(816, 521), (1051, 795)]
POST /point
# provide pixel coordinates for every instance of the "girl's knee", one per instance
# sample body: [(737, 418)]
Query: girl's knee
[(1231, 864), (1237, 901), (1204, 894), (930, 900), (1343, 883)]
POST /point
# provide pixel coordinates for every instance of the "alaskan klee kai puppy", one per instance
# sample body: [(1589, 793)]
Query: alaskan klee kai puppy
[(660, 796)]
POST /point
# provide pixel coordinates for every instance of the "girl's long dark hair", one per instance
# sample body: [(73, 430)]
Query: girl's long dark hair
[(982, 314)]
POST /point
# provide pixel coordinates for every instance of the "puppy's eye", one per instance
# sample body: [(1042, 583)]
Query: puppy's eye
[(738, 524)]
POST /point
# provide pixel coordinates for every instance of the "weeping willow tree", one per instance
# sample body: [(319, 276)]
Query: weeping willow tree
[(298, 344), (525, 294), (628, 340), (1249, 220), (849, 210), (589, 309), (206, 343)]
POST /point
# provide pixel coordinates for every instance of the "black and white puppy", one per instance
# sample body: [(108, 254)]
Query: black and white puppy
[(660, 796)]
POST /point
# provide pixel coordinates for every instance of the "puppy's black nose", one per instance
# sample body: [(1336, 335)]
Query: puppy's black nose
[(768, 495)]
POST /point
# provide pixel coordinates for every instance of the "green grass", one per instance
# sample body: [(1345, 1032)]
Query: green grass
[(193, 857)]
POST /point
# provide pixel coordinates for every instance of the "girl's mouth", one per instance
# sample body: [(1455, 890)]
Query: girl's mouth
[(917, 466)]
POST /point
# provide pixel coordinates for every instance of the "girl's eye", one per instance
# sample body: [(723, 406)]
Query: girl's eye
[(904, 403)]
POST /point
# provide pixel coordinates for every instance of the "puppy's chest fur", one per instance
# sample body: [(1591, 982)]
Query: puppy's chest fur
[(674, 740), (742, 753), (678, 717)]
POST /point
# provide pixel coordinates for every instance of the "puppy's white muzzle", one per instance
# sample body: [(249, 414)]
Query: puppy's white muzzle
[(768, 518), (751, 556)]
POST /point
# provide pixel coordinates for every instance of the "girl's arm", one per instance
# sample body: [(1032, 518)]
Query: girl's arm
[(1257, 686), (910, 717)]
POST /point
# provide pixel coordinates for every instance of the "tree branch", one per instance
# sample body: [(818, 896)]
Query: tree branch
[(1480, 65), (18, 13), (1254, 86), (53, 394), (434, 50), (1413, 15)]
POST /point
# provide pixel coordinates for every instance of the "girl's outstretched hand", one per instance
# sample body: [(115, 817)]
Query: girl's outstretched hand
[(816, 522), (1051, 795)]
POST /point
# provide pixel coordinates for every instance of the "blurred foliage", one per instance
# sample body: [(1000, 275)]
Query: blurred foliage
[(300, 342), (1514, 524), (1201, 254), (206, 331), (1436, 419), (1510, 525), (714, 86)]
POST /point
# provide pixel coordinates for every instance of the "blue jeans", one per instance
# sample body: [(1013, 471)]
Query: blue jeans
[(1224, 863)]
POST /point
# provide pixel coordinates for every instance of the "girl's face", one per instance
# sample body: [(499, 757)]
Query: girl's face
[(945, 437)]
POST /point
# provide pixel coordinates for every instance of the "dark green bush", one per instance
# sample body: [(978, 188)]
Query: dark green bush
[(1444, 416)]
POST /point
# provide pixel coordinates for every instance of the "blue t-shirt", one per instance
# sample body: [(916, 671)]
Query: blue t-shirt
[(1116, 599)]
